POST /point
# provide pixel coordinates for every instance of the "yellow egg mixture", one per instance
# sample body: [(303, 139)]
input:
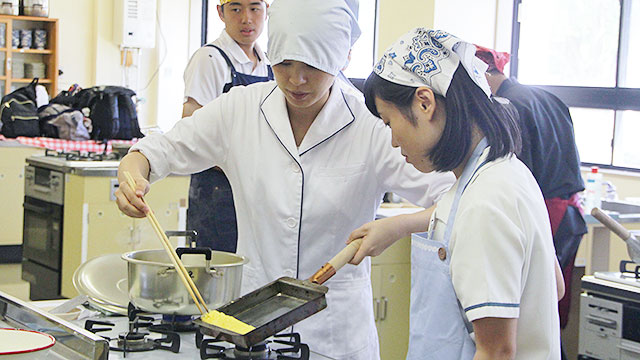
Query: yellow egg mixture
[(227, 322)]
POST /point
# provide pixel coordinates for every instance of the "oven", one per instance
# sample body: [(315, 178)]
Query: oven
[(42, 231), (609, 318)]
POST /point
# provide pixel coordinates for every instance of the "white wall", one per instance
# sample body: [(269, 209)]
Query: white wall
[(88, 56), (395, 18), (482, 22)]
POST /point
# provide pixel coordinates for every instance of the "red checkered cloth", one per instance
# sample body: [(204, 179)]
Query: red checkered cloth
[(69, 145)]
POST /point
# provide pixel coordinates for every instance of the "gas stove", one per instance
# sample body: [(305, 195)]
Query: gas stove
[(77, 162), (629, 274), (141, 335)]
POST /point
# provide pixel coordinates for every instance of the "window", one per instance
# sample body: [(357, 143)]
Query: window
[(362, 54), (585, 53)]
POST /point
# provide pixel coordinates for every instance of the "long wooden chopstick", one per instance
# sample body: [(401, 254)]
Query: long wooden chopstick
[(175, 259)]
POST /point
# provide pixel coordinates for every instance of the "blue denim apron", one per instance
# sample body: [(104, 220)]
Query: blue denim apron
[(438, 328), (211, 210)]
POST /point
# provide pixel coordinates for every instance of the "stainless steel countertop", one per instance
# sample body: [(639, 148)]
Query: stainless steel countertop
[(72, 341), (188, 349)]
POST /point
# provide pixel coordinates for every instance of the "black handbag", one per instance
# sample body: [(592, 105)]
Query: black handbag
[(19, 113)]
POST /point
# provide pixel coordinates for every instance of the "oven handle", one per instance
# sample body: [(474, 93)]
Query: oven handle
[(40, 188), (600, 321), (37, 209), (630, 348)]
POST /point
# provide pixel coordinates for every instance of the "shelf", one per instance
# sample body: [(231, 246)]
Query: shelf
[(48, 56), (40, 81), (32, 51), (29, 18)]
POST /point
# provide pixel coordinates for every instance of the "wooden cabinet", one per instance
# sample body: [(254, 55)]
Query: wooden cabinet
[(12, 162), (12, 57), (94, 226), (391, 283)]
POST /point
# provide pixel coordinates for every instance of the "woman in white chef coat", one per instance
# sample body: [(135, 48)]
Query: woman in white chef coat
[(488, 257), (308, 164)]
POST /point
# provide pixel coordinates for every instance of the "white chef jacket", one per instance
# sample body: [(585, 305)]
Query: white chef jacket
[(207, 72), (296, 206), (502, 254)]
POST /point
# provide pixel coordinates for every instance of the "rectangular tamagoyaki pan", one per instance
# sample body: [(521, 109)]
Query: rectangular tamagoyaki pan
[(270, 309)]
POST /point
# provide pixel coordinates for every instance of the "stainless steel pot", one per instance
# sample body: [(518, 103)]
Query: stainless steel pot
[(154, 285)]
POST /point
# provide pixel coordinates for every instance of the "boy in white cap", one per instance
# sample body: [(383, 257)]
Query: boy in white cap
[(233, 59), (308, 164)]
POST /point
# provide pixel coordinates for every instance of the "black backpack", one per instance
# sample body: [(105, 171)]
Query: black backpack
[(111, 110), (19, 113)]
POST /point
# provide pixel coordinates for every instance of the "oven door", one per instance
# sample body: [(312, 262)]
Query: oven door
[(42, 233)]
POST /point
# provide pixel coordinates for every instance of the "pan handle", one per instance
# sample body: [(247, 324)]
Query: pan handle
[(329, 269), (196, 250), (345, 255), (613, 225)]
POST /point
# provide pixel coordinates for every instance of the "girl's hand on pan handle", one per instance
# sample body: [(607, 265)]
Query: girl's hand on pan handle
[(378, 235), (129, 200)]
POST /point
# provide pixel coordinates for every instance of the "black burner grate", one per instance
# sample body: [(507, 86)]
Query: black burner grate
[(293, 349)]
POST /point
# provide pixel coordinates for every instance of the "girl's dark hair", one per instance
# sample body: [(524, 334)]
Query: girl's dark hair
[(465, 104)]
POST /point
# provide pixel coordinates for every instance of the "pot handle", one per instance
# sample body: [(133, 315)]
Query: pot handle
[(191, 234), (196, 250)]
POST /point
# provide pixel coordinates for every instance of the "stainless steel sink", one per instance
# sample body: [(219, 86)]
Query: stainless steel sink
[(621, 207)]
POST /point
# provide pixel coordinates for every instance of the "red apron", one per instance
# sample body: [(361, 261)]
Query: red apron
[(557, 208)]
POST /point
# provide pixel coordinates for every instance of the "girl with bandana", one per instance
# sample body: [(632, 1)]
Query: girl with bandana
[(483, 283), (308, 163)]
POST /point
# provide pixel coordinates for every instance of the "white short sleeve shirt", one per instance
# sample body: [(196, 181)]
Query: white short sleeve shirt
[(208, 72), (502, 254)]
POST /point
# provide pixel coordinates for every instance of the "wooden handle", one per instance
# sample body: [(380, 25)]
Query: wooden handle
[(345, 255), (613, 225)]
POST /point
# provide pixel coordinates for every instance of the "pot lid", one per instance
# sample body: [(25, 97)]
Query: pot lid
[(104, 280)]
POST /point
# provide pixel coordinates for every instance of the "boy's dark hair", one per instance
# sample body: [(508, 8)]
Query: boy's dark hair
[(465, 104)]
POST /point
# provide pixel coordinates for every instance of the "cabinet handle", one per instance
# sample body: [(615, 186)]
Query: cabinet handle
[(376, 308), (384, 308)]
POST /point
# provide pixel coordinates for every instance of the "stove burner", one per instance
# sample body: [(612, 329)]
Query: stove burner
[(294, 349), (133, 343), (135, 340)]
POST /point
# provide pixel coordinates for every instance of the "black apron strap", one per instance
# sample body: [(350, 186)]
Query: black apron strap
[(226, 58)]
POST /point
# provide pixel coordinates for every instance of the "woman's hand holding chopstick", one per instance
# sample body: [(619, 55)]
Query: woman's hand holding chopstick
[(128, 199), (171, 253)]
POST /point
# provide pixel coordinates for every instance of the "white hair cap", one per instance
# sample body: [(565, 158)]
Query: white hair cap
[(319, 33)]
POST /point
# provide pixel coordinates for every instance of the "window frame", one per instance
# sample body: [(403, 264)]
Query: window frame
[(611, 98)]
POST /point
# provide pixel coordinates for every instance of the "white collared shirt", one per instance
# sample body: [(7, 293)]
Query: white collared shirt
[(207, 71), (502, 254)]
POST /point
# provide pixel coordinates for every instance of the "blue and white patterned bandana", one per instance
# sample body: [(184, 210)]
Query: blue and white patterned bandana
[(424, 57)]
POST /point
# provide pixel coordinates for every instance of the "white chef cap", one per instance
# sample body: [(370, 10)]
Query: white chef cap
[(424, 57), (319, 33)]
